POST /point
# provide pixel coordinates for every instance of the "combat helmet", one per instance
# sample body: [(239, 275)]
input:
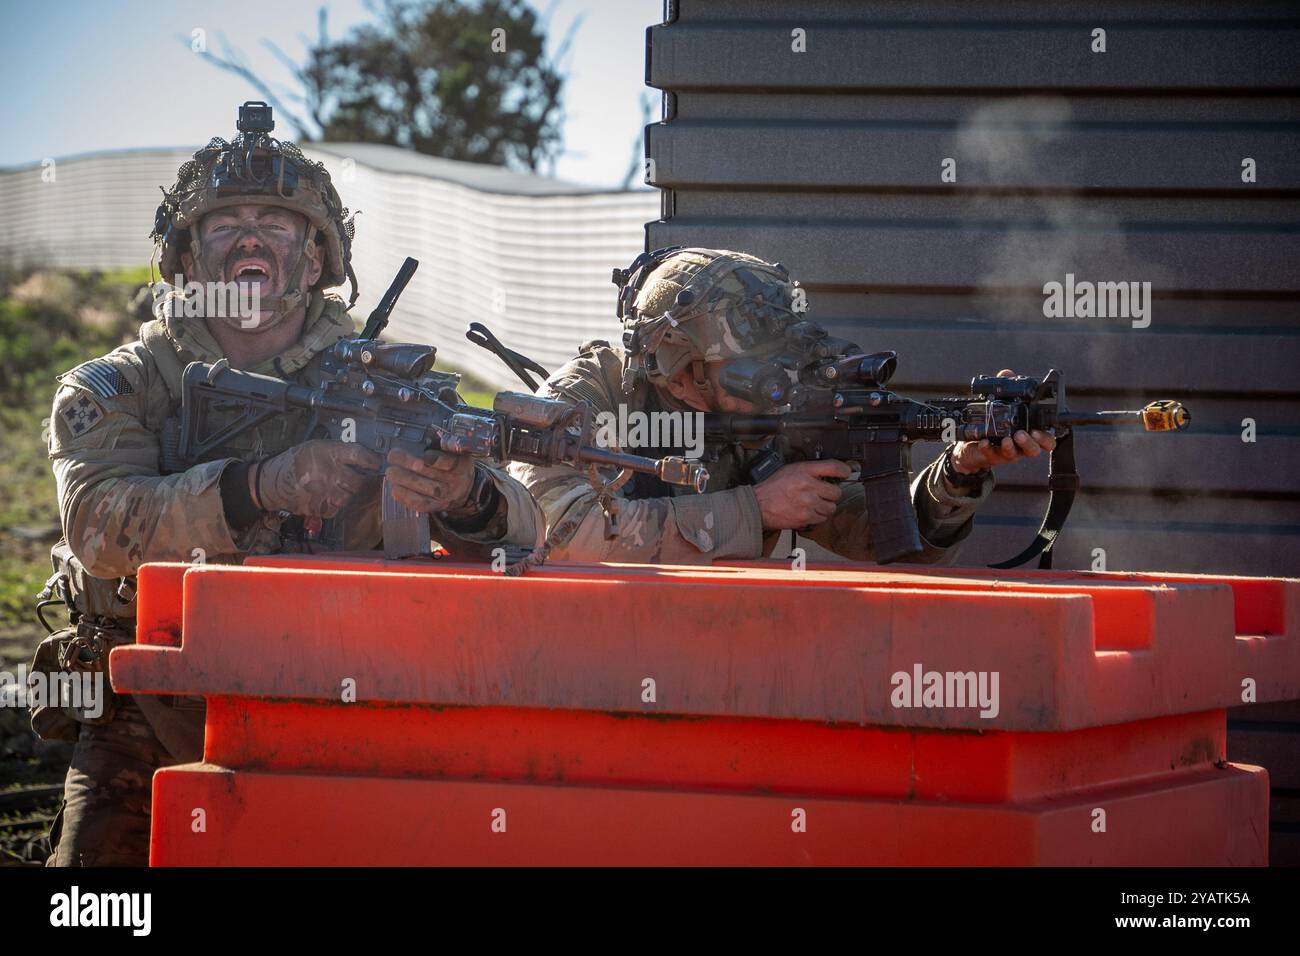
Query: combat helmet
[(256, 168), (690, 306)]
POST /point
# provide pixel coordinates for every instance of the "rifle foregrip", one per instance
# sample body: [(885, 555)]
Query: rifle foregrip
[(891, 518)]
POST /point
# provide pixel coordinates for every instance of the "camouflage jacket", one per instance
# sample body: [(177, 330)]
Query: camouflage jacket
[(673, 525), (118, 511)]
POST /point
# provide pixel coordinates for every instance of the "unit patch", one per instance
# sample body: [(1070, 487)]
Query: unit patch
[(81, 414)]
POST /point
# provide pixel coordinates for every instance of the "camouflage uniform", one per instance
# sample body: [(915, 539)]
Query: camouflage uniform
[(107, 430), (118, 512), (104, 820), (661, 523)]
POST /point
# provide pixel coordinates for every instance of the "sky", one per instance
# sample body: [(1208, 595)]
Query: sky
[(88, 75)]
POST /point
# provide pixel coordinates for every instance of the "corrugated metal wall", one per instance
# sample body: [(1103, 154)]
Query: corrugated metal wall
[(529, 257), (1122, 165)]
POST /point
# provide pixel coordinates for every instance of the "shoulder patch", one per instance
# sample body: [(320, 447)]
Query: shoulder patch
[(100, 377), (81, 414)]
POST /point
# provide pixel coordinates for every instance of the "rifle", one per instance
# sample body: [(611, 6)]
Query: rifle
[(384, 396), (840, 408)]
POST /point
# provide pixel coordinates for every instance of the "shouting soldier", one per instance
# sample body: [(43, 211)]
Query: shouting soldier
[(257, 213)]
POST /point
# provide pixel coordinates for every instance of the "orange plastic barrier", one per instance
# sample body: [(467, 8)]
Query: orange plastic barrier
[(362, 711)]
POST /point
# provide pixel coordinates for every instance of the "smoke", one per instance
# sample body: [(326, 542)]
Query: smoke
[(1050, 227), (1030, 142)]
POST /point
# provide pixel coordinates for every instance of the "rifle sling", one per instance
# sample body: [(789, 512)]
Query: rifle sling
[(1063, 480)]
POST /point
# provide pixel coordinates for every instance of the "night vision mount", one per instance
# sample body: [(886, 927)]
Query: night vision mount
[(255, 118), (256, 162)]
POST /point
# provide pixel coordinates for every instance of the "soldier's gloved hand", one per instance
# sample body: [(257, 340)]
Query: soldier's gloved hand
[(436, 482), (796, 496), (314, 479), (971, 457)]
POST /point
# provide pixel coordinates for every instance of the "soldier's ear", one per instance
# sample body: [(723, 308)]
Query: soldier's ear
[(682, 387), (187, 264), (315, 262)]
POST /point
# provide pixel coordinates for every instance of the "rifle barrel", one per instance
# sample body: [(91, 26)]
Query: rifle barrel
[(1128, 416), (1162, 416), (676, 471)]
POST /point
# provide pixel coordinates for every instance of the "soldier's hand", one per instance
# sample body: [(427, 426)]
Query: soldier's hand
[(796, 496), (314, 479), (437, 481), (969, 457)]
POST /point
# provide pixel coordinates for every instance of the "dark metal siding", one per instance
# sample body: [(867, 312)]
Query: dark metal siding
[(1115, 166)]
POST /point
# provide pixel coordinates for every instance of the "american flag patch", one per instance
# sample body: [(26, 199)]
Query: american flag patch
[(99, 377)]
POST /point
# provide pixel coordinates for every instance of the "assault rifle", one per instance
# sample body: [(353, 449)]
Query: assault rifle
[(385, 396), (840, 408)]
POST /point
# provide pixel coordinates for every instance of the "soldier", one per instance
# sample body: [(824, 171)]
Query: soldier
[(257, 212), (685, 313)]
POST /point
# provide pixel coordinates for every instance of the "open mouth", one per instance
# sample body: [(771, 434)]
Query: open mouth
[(252, 273)]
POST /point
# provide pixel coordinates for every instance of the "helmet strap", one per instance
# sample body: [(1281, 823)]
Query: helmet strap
[(291, 299), (196, 250), (352, 280), (702, 382), (633, 373)]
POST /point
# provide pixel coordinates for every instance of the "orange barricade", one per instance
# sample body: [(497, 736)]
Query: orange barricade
[(371, 712)]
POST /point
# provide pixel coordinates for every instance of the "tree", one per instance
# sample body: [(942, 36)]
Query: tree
[(461, 79)]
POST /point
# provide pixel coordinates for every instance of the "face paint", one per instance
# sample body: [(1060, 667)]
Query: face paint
[(260, 256)]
